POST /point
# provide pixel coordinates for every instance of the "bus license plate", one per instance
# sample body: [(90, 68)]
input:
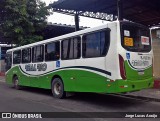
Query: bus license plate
[(141, 72)]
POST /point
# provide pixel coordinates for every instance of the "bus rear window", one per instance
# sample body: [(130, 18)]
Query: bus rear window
[(135, 38)]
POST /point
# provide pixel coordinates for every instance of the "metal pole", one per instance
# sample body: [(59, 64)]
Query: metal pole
[(76, 17), (120, 9)]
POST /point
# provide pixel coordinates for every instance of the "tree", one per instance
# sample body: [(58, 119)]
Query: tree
[(22, 19)]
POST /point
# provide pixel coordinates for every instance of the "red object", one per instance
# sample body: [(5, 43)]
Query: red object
[(122, 68), (157, 84), (111, 80), (121, 86), (2, 73)]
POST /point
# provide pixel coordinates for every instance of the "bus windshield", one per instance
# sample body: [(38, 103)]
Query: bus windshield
[(135, 38)]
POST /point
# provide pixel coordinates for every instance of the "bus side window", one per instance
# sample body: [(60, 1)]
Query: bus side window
[(66, 49), (38, 53), (71, 48), (84, 46), (96, 44), (52, 51), (17, 57), (77, 47), (26, 55)]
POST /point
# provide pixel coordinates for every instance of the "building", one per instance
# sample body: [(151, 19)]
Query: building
[(3, 49)]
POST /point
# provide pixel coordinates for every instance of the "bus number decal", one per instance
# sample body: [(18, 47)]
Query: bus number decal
[(144, 61), (42, 67), (36, 67), (140, 63)]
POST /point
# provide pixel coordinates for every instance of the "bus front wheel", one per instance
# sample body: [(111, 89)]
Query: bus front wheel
[(58, 88), (16, 83)]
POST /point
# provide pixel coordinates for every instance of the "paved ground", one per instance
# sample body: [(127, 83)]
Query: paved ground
[(39, 100), (147, 93)]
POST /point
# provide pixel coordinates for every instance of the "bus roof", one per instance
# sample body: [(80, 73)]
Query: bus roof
[(63, 36)]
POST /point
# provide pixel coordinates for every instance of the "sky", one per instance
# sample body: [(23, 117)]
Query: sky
[(69, 20)]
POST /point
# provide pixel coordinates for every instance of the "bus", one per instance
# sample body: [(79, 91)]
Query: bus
[(112, 58)]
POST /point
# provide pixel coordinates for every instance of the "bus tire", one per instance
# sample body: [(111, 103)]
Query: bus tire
[(58, 88), (16, 83)]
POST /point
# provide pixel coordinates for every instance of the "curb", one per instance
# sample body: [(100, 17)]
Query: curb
[(139, 97), (144, 98)]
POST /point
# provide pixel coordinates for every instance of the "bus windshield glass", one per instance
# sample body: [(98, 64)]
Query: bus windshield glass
[(135, 38)]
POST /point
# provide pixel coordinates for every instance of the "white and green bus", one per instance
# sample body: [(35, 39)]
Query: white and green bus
[(113, 58)]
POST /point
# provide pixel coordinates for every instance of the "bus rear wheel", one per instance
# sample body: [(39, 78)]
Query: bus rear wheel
[(16, 83), (58, 88)]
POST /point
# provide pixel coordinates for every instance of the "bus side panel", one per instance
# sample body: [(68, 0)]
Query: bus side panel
[(15, 71), (45, 81), (65, 75), (41, 81), (90, 82), (8, 77), (94, 81), (88, 75)]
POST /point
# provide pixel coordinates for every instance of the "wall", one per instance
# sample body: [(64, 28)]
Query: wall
[(2, 66), (156, 53)]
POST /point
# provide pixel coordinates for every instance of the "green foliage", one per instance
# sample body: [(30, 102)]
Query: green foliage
[(22, 19)]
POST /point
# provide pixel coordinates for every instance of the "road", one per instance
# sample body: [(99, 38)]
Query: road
[(40, 100)]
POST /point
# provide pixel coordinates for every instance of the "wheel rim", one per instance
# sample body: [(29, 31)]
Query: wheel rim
[(57, 88)]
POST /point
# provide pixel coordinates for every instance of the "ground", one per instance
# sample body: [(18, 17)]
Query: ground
[(40, 100)]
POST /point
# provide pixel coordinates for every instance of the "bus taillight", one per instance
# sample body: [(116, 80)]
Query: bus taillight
[(152, 67), (122, 67)]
